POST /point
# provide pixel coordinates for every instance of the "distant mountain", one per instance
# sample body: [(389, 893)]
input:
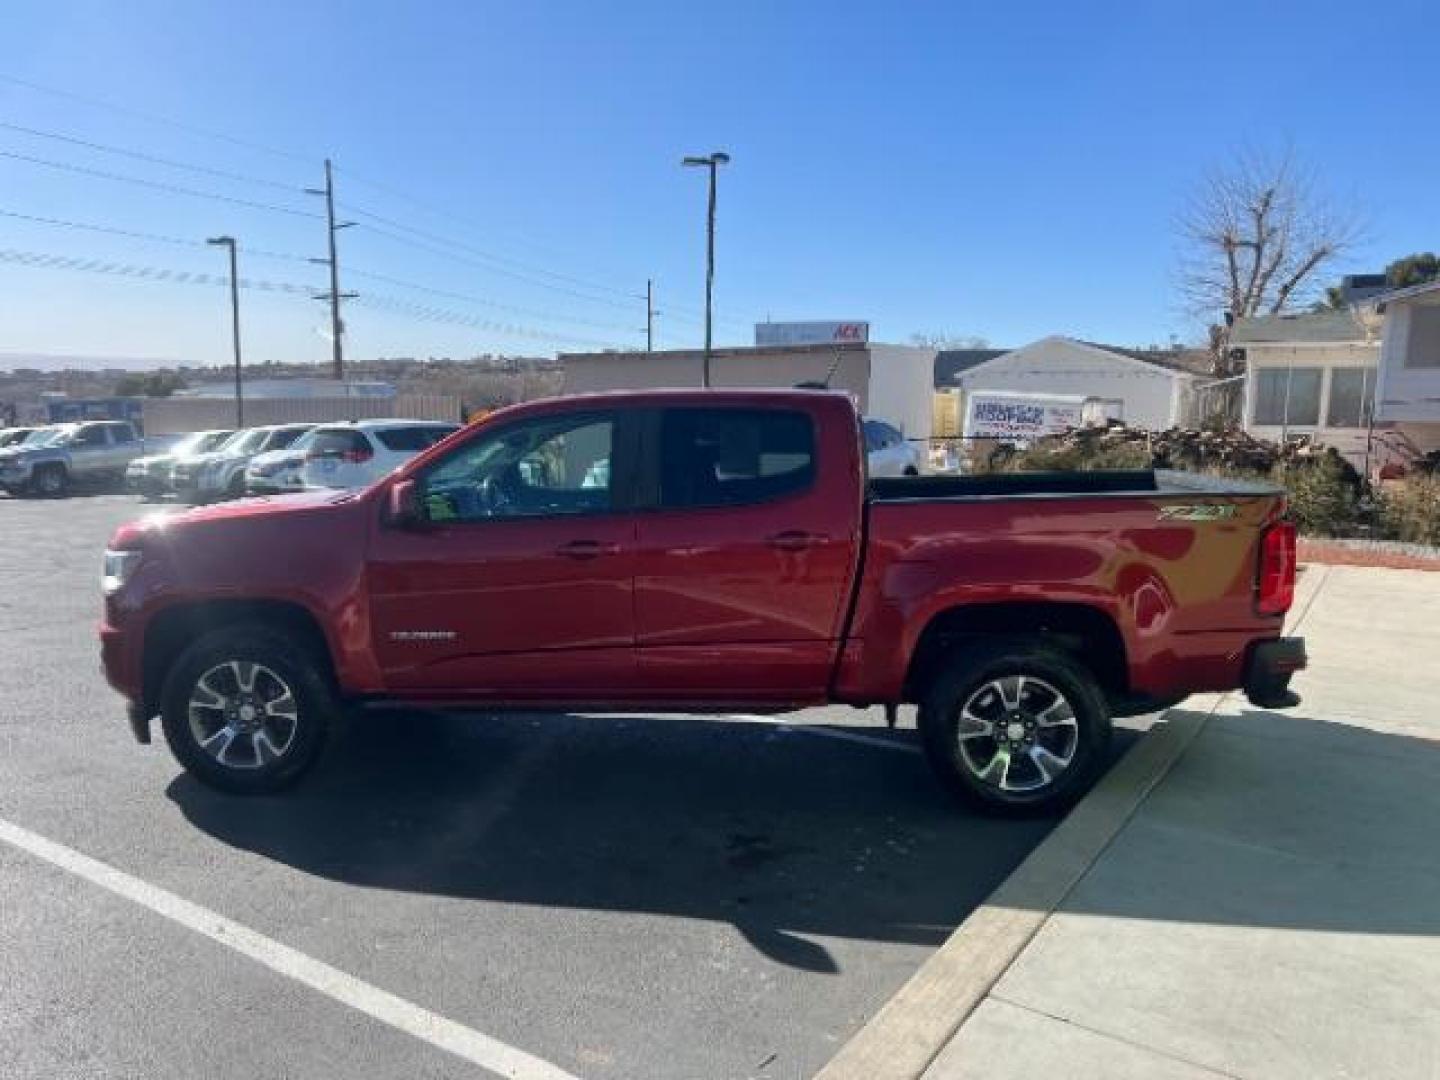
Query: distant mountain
[(11, 361)]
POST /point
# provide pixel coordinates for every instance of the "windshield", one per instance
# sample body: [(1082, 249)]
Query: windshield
[(47, 436), (282, 437), (244, 442)]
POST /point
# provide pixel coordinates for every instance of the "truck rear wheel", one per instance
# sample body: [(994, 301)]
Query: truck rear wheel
[(1015, 726), (246, 710)]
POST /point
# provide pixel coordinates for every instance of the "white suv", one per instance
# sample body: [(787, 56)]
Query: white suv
[(356, 454), (887, 451)]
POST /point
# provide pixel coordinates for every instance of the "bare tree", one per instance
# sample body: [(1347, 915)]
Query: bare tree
[(1257, 236)]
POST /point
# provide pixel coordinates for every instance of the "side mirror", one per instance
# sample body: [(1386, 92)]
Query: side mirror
[(404, 505)]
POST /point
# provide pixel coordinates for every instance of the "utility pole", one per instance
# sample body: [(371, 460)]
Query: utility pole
[(229, 242), (712, 162), (649, 315), (334, 296)]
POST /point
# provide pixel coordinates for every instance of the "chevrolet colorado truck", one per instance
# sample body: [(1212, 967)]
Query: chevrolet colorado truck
[(703, 551)]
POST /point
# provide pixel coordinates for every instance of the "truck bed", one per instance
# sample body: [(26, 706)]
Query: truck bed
[(1145, 482)]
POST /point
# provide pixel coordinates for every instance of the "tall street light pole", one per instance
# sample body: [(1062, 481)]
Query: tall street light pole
[(711, 162), (229, 242)]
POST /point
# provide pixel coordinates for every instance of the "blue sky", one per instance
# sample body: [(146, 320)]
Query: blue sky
[(1006, 171)]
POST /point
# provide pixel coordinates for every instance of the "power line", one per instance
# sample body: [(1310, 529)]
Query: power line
[(46, 261), (174, 189), (152, 159), (159, 238), (443, 253), (426, 313), (679, 311), (181, 241), (675, 310), (436, 238), (155, 118), (382, 303), (470, 298)]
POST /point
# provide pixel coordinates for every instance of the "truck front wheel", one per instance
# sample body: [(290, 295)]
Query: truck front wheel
[(1015, 726), (246, 709)]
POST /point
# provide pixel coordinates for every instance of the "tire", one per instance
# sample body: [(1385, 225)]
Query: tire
[(51, 482), (205, 697), (1039, 705), (235, 489)]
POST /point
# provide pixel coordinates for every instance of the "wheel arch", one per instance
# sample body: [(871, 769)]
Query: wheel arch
[(173, 629), (1085, 632)]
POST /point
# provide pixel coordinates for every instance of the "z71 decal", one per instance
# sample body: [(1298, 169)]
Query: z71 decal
[(1197, 512)]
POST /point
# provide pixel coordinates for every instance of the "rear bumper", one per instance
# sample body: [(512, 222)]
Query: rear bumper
[(1268, 671)]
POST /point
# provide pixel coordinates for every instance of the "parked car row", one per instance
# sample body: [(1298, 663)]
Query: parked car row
[(209, 466)]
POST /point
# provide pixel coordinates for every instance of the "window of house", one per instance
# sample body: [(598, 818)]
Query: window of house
[(1424, 347), (1350, 393), (1288, 396), (726, 457)]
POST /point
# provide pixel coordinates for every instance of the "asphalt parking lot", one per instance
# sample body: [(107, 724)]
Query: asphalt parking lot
[(627, 897)]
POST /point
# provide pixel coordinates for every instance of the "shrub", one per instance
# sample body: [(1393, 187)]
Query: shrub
[(1324, 500), (1057, 456), (1409, 510)]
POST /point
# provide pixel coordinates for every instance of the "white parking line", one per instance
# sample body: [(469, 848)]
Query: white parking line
[(829, 733), (445, 1034)]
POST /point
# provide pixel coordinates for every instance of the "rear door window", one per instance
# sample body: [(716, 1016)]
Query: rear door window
[(410, 440), (339, 443), (731, 457), (282, 438)]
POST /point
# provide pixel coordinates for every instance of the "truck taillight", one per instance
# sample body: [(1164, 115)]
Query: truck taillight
[(1275, 579), (358, 456)]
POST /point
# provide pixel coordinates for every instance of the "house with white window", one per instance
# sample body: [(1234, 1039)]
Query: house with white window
[(1321, 374), (1407, 393), (1310, 373)]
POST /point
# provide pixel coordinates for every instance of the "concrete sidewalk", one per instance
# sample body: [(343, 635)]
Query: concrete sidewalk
[(1272, 908)]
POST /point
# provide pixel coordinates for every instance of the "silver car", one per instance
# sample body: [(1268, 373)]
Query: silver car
[(149, 476), (220, 474), (51, 460)]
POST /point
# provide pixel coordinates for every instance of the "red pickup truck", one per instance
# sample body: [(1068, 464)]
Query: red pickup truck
[(703, 551)]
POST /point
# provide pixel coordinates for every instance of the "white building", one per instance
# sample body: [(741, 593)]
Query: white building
[(1310, 373), (1150, 388), (293, 388), (1408, 388), (1320, 374), (895, 383)]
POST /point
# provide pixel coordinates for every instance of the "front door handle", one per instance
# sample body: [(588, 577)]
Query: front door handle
[(587, 549), (795, 540)]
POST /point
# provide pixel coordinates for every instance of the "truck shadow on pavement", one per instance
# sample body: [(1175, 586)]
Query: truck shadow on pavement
[(784, 835)]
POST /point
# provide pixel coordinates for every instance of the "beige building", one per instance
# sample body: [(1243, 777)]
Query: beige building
[(895, 383), (1313, 373)]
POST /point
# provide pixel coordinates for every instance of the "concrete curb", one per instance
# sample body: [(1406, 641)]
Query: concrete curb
[(910, 1030)]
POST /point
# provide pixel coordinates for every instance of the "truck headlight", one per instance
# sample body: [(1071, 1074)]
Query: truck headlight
[(116, 568)]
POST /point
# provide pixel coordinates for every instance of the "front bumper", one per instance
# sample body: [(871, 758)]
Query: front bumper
[(145, 483), (1268, 671)]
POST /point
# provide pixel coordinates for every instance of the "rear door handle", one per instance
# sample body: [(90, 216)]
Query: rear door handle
[(795, 540), (587, 549)]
